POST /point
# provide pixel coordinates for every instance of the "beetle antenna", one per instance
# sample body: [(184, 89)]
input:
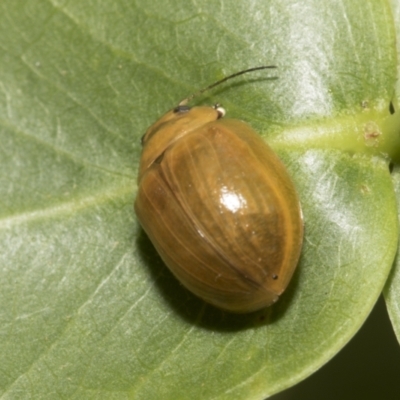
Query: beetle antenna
[(245, 71)]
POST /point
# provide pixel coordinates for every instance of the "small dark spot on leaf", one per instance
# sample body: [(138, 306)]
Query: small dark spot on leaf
[(391, 108), (365, 189)]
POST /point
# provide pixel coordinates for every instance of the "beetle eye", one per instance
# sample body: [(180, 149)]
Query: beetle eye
[(220, 110), (181, 109)]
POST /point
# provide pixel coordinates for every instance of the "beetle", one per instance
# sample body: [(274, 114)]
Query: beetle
[(219, 206)]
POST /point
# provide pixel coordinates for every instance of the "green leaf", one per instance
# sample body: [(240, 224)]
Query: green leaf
[(392, 288), (88, 310)]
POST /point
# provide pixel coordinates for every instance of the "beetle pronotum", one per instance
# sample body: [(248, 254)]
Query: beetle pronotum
[(219, 206)]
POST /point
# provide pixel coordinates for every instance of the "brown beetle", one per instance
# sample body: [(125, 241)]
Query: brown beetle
[(219, 207)]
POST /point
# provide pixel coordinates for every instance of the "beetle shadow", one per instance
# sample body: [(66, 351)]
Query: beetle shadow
[(195, 311)]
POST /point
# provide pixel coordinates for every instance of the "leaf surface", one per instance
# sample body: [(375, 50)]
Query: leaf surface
[(88, 308)]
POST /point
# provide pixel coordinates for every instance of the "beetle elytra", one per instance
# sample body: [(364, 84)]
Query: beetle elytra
[(219, 207)]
